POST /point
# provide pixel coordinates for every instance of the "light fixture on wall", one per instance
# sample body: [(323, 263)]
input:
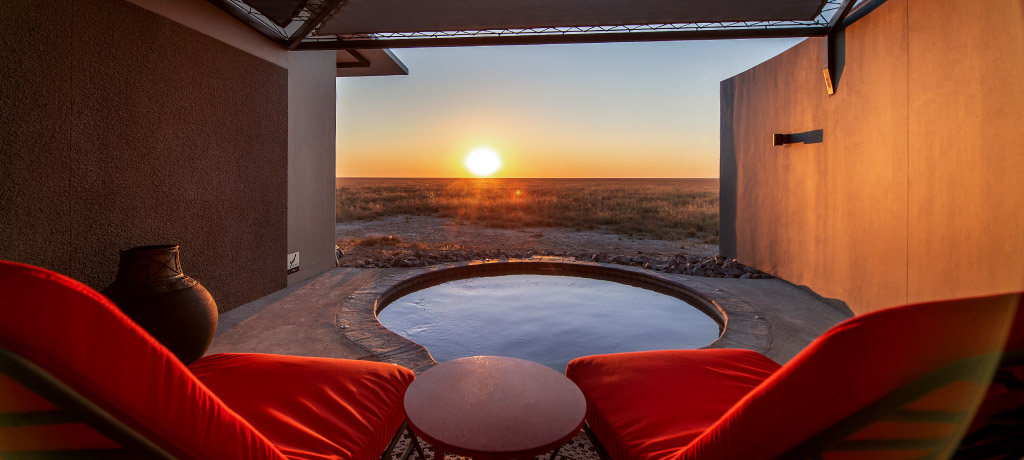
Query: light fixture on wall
[(807, 137)]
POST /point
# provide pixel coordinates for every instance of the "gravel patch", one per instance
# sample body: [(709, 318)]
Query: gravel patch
[(416, 241)]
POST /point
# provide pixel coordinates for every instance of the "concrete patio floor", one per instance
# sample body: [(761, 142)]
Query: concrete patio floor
[(314, 318)]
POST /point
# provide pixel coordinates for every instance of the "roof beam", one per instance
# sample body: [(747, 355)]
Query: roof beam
[(361, 60), (541, 39), (249, 20), (326, 8), (835, 26)]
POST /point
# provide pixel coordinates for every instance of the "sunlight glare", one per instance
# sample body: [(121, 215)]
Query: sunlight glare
[(483, 161)]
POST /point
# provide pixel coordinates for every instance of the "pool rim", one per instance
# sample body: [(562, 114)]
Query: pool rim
[(740, 326), (612, 274)]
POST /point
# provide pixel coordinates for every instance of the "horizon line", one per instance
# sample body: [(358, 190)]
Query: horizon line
[(520, 178)]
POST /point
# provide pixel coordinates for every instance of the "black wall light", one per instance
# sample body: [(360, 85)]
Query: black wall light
[(807, 137)]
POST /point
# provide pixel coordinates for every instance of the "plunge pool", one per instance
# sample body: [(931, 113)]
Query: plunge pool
[(546, 318)]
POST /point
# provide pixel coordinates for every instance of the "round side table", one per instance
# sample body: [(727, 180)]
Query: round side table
[(492, 407)]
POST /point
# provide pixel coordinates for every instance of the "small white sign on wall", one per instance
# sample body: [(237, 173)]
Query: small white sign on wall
[(293, 262)]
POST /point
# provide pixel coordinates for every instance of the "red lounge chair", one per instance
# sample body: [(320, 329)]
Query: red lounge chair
[(998, 427), (78, 379), (898, 383)]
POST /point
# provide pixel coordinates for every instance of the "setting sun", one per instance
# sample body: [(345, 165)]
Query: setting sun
[(483, 161)]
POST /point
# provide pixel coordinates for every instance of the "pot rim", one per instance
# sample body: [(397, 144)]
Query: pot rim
[(152, 248)]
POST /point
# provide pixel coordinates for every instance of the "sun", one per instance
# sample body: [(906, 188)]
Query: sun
[(483, 161)]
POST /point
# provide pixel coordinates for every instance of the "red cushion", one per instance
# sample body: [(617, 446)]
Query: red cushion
[(308, 407), (647, 404), (843, 371), (85, 341), (1005, 394), (312, 408), (852, 365)]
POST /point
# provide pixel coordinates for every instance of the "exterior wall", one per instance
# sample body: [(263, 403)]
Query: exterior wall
[(203, 17), (35, 135), (966, 148), (122, 128), (311, 115), (311, 128), (913, 193)]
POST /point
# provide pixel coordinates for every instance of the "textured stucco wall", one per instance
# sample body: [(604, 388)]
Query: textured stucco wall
[(133, 129), (913, 193), (35, 134), (966, 134), (311, 128), (204, 17)]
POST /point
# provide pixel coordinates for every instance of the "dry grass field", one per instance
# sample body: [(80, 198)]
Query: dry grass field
[(668, 209)]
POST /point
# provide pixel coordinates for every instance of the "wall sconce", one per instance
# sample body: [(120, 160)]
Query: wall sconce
[(807, 137)]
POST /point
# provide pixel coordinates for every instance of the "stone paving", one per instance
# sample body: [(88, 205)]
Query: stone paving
[(333, 314)]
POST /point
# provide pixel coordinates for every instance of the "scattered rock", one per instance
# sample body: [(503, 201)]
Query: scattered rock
[(712, 267)]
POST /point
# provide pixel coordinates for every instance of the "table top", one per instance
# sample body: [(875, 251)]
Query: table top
[(494, 407)]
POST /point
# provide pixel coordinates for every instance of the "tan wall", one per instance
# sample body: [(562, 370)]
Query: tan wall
[(123, 128), (966, 135), (914, 192), (311, 127)]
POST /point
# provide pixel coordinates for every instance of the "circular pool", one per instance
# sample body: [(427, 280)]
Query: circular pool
[(549, 318)]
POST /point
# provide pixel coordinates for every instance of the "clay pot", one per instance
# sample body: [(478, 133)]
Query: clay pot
[(175, 309)]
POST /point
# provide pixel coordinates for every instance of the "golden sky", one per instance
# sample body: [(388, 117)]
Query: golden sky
[(599, 110)]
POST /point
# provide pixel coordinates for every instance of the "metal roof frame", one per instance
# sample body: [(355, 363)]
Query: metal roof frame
[(301, 34), (311, 15), (549, 36), (831, 41)]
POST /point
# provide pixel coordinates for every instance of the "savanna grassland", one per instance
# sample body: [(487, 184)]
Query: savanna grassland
[(667, 209)]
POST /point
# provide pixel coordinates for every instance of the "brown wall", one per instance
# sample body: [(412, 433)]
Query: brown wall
[(914, 191), (122, 128)]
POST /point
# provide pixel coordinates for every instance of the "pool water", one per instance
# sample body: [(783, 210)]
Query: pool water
[(545, 318)]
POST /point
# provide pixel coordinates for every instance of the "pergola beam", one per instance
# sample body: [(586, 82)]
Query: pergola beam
[(835, 25), (550, 39), (250, 21), (361, 61), (325, 10)]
